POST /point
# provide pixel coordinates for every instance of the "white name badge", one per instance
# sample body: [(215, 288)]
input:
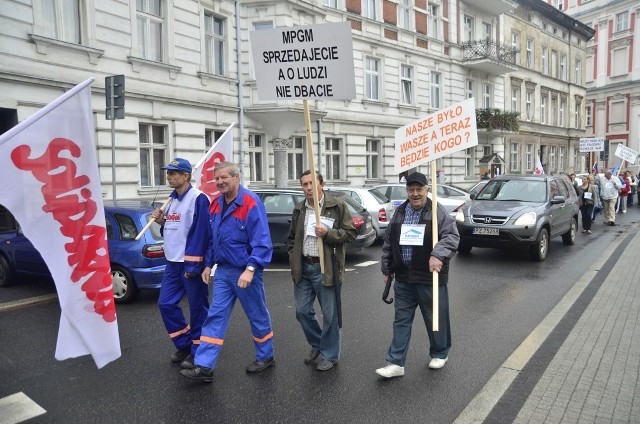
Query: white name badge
[(588, 195), (311, 225), (412, 234)]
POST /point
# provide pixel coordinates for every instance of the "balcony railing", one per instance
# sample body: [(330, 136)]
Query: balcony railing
[(487, 49)]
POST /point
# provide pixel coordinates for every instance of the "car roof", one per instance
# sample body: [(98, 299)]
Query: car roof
[(139, 205)]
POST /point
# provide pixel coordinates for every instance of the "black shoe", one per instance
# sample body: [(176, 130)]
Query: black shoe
[(199, 373), (311, 357), (325, 365), (180, 355), (188, 364), (612, 223), (259, 366)]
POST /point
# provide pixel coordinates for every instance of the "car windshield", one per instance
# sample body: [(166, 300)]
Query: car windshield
[(381, 198), (514, 190), (354, 207)]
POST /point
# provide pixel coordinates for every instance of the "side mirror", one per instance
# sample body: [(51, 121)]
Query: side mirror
[(558, 200), (472, 196)]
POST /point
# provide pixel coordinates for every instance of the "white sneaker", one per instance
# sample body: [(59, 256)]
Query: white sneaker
[(437, 363), (390, 371)]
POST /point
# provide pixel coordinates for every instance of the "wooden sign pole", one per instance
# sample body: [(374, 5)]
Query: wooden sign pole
[(434, 229)]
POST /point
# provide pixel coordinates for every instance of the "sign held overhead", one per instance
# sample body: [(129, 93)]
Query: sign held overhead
[(312, 62), (626, 153), (591, 144)]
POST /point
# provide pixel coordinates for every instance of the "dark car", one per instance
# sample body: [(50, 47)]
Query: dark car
[(135, 265), (279, 204), (520, 211)]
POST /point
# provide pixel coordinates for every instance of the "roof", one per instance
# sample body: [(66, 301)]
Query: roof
[(559, 17)]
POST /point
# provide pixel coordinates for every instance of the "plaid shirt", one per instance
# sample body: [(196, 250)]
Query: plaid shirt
[(310, 243), (411, 216)]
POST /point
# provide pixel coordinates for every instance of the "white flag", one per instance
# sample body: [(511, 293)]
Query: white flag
[(56, 197), (538, 170), (221, 151)]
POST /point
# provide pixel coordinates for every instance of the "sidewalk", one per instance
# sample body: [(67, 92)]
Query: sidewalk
[(586, 367)]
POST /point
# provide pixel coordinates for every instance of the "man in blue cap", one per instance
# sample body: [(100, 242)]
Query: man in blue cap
[(185, 228)]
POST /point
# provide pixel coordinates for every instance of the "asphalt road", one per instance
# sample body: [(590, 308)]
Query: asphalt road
[(497, 299)]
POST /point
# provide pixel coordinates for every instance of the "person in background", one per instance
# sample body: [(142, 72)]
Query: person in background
[(634, 187), (486, 176), (586, 197), (334, 232), (185, 231), (408, 255), (623, 193), (609, 186), (572, 177), (240, 245)]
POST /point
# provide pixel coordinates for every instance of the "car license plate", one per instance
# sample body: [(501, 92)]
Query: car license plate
[(486, 231)]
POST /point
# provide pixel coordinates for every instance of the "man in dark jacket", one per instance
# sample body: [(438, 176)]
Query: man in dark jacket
[(335, 230), (408, 256)]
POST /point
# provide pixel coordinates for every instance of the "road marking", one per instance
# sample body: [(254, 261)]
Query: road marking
[(8, 306), (367, 263), (18, 408)]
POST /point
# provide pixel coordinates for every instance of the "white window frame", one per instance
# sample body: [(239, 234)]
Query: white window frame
[(406, 84), (405, 14), (563, 67), (257, 152), (562, 165), (487, 31), (578, 73), (156, 140), (470, 87), (435, 86), (61, 26), (215, 43), (530, 50), (469, 28), (622, 21), (543, 109), (588, 117), (296, 158), (553, 163), (528, 157), (210, 137), (433, 26), (369, 9), (578, 115), (373, 155), (331, 156), (562, 117), (470, 161), (515, 99), (544, 65), (514, 157), (529, 106), (373, 66), (148, 19), (515, 45), (487, 94)]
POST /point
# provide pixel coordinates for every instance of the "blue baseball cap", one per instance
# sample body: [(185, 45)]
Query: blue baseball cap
[(178, 164)]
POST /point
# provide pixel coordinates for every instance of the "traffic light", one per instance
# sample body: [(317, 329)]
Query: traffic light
[(114, 94)]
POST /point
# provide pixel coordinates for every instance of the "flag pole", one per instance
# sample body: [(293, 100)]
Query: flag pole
[(314, 180), (199, 164), (146, 227), (434, 237)]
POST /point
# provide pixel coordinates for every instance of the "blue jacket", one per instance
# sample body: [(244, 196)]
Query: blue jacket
[(241, 237)]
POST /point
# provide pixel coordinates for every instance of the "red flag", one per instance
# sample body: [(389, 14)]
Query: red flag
[(221, 151), (56, 196)]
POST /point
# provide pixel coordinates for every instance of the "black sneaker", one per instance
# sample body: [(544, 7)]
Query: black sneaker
[(188, 364), (259, 366), (180, 355), (198, 373), (311, 357)]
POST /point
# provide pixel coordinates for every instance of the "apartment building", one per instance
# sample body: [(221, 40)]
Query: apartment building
[(612, 108), (189, 75)]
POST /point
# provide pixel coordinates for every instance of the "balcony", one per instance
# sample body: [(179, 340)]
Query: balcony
[(489, 57), (491, 7)]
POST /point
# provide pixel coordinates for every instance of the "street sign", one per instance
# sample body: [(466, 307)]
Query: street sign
[(114, 96), (310, 62), (626, 153), (594, 144), (436, 135)]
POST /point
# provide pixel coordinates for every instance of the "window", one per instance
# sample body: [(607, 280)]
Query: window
[(617, 112), (578, 75), (553, 164), (622, 21), (471, 89), (369, 9), (149, 29), (152, 141), (587, 116), (545, 61), (487, 31), (404, 14), (559, 4), (436, 90), (331, 3), (432, 11), (256, 157), (333, 158), (470, 161), (469, 31), (214, 44), (486, 93), (373, 158), (530, 47), (589, 69), (60, 20), (295, 158), (576, 159), (528, 157), (515, 100), (529, 105), (563, 67), (619, 58), (372, 78), (562, 116), (487, 150), (210, 137), (554, 110), (515, 157), (406, 82), (577, 114), (554, 64), (562, 155), (515, 45), (543, 108)]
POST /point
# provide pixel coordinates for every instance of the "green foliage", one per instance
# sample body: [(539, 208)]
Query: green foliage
[(496, 119)]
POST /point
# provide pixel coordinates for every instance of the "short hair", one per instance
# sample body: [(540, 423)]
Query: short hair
[(232, 167), (318, 176)]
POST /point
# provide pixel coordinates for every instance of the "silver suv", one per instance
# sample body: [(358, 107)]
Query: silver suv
[(520, 211)]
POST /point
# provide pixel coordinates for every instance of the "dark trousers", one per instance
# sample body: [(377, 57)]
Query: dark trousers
[(587, 211)]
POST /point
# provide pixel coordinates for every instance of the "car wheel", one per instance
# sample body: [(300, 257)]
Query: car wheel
[(464, 247), (124, 289), (569, 238), (541, 248), (6, 273)]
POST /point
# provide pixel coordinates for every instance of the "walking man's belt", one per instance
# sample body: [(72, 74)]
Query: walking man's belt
[(311, 259)]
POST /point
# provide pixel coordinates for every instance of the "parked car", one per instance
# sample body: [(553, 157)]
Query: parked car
[(135, 265), (378, 205), (520, 211), (279, 204), (448, 197), (475, 189)]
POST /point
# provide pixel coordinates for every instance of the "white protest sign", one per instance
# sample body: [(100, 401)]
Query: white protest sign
[(625, 153), (436, 135), (310, 62), (591, 144)]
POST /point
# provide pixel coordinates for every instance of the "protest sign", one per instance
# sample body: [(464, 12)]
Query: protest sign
[(626, 153), (591, 144)]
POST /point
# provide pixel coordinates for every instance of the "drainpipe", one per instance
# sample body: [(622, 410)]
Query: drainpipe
[(240, 87)]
